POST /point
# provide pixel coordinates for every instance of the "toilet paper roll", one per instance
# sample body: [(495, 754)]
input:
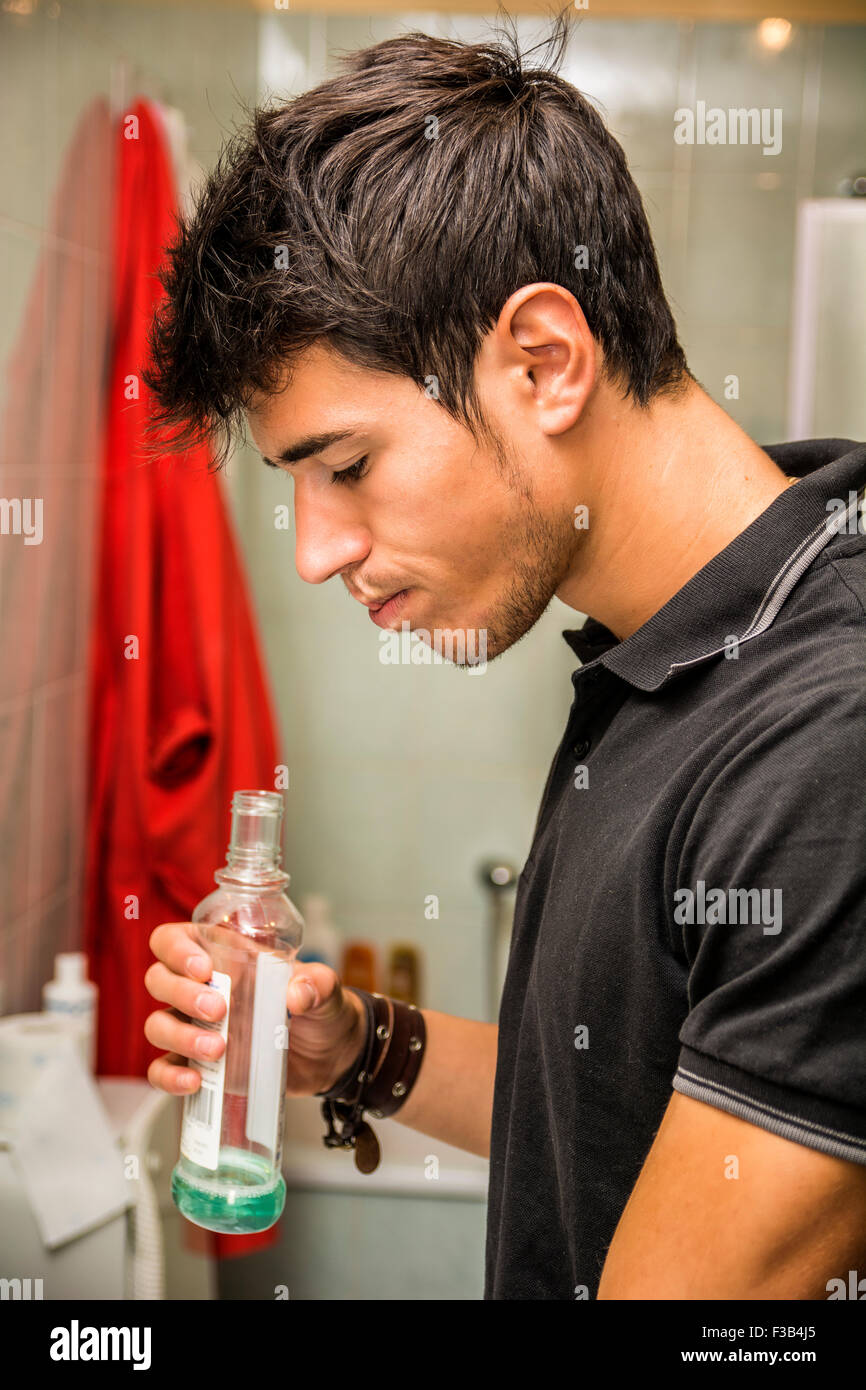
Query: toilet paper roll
[(31, 1046)]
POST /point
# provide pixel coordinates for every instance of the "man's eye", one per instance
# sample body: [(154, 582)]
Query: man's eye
[(353, 473)]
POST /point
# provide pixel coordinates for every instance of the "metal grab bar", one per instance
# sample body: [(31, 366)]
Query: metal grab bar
[(499, 878)]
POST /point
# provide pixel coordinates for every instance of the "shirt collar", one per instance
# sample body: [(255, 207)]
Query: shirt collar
[(739, 592)]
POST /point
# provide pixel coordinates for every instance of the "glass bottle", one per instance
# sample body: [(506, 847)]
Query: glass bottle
[(228, 1177)]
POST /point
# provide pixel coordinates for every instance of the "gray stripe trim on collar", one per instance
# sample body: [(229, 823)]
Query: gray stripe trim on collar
[(786, 578)]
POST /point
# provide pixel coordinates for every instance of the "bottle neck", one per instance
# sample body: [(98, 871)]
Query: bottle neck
[(252, 871), (254, 852)]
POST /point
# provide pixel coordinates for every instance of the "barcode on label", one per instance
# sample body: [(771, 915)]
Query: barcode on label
[(201, 1105)]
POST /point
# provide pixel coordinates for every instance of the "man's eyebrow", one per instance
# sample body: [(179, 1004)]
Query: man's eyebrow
[(313, 444)]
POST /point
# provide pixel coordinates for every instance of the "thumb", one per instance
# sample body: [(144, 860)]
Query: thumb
[(311, 986)]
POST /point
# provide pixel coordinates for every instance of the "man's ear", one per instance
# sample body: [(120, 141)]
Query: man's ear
[(542, 342)]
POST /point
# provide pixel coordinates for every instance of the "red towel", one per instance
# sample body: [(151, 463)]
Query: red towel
[(180, 714)]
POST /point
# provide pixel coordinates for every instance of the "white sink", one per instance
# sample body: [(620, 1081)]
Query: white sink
[(411, 1163)]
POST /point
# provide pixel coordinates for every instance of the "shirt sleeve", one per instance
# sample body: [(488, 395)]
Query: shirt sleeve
[(771, 908)]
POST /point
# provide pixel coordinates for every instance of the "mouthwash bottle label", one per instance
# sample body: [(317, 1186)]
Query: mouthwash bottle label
[(270, 1037), (203, 1112)]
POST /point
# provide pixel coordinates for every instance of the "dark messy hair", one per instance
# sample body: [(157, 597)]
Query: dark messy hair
[(390, 212)]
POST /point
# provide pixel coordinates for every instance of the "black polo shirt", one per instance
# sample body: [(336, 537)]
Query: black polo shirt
[(692, 911)]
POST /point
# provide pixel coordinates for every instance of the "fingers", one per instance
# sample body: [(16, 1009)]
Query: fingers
[(314, 986), (190, 997), (171, 1074), (178, 978), (174, 945), (165, 1029)]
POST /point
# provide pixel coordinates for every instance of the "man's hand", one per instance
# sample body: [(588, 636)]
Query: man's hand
[(790, 1221), (326, 1031)]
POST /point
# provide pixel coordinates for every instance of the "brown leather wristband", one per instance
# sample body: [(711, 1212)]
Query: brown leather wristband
[(379, 1079), (395, 1077)]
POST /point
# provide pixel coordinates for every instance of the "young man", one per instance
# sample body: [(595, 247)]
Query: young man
[(429, 287)]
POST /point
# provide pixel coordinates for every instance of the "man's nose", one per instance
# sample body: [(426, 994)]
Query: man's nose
[(328, 534)]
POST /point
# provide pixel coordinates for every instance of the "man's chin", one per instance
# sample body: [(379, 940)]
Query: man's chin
[(461, 646), (466, 646)]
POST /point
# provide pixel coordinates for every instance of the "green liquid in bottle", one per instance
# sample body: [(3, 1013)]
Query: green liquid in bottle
[(240, 1196)]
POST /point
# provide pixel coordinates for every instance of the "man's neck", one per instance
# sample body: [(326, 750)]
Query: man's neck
[(669, 488)]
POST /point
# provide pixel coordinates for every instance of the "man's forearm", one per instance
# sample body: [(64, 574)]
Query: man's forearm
[(452, 1098)]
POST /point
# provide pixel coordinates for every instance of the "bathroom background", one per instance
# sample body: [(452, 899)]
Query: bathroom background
[(404, 780)]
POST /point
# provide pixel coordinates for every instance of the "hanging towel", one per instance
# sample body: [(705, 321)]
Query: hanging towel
[(50, 440), (180, 714)]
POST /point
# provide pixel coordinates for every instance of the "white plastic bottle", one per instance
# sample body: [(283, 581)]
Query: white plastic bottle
[(321, 938), (71, 994)]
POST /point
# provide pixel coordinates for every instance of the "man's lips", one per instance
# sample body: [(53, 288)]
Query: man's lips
[(380, 602), (374, 603), (381, 610), (368, 602), (382, 613)]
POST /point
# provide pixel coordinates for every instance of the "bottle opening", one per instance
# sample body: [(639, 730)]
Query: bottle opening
[(256, 827)]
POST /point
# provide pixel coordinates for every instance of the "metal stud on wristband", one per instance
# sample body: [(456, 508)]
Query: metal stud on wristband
[(388, 1090)]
